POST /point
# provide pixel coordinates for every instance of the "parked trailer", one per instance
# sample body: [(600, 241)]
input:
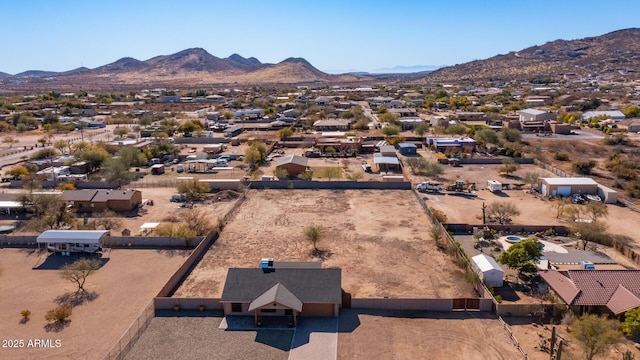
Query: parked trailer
[(494, 186), (73, 241)]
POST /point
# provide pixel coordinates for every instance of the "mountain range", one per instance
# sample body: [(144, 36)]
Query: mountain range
[(617, 51), (190, 67)]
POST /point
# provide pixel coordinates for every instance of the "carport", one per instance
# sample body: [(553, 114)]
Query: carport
[(386, 163), (7, 206)]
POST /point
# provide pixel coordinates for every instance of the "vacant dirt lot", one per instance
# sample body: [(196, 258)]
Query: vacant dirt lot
[(121, 288), (401, 335), (380, 239)]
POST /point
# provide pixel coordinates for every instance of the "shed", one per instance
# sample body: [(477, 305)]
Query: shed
[(608, 196), (294, 164), (148, 227), (408, 148), (387, 163), (566, 186), (68, 241), (488, 269)]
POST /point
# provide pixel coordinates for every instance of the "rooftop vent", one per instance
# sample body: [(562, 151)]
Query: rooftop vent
[(266, 263)]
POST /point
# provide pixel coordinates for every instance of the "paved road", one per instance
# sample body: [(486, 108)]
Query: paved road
[(315, 339)]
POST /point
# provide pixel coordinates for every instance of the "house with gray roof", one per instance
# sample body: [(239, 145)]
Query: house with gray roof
[(282, 291), (294, 164)]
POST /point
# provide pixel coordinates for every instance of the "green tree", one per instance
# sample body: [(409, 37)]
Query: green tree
[(520, 255), (198, 220), (120, 131), (596, 209), (313, 234), (131, 157), (285, 133), (631, 111), (486, 136), (10, 140), (116, 171), (509, 166), (631, 324), (180, 231), (94, 156), (588, 232), (595, 334), (190, 126), (48, 212), (79, 271), (421, 129), (281, 173), (511, 135), (456, 129), (531, 179), (61, 145), (107, 219), (42, 154), (18, 171), (193, 190), (390, 130), (503, 211)]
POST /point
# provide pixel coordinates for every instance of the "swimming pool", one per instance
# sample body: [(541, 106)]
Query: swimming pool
[(513, 239)]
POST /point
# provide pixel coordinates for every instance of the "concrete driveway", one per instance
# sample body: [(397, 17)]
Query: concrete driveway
[(315, 339)]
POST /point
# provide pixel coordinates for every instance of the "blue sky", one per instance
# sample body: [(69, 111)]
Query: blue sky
[(334, 36)]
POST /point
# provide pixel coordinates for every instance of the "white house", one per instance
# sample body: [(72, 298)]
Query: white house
[(488, 269), (614, 115)]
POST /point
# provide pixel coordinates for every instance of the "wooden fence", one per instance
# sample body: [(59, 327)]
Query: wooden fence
[(513, 338)]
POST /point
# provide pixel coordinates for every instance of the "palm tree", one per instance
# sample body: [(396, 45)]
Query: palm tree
[(313, 234)]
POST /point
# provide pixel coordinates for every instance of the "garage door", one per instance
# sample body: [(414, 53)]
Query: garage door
[(564, 190)]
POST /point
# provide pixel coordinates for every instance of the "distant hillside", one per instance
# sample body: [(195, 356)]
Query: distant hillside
[(190, 67), (616, 51), (4, 75)]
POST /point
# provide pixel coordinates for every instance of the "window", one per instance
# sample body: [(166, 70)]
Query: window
[(288, 312), (268, 310), (236, 307)]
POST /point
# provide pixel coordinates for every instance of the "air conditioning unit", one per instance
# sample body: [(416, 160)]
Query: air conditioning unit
[(266, 263), (587, 265)]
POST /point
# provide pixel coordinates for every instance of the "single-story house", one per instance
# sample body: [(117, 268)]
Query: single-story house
[(488, 269), (303, 290), (403, 112), (408, 149), (470, 116), (567, 186), (294, 164), (68, 241), (410, 123), (387, 163), (630, 125), (615, 115), (101, 200), (445, 143), (615, 291), (331, 125)]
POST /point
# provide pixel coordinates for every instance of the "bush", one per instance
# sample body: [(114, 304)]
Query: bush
[(25, 313), (583, 167), (59, 313), (498, 298), (561, 156), (439, 215)]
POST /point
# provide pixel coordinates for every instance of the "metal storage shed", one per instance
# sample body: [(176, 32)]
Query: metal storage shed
[(408, 148), (488, 269)]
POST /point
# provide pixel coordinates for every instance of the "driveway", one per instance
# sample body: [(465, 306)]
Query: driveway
[(315, 339)]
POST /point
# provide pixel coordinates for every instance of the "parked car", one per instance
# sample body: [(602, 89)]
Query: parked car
[(179, 168)]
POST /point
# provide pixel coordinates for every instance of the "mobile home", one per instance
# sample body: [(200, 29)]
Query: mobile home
[(76, 241)]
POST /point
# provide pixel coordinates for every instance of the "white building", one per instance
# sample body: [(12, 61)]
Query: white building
[(488, 269)]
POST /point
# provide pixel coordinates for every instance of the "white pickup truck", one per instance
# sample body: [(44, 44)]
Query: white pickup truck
[(428, 187)]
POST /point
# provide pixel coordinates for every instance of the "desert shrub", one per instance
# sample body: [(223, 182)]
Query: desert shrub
[(583, 167), (439, 215), (561, 156), (59, 313), (25, 313), (498, 298)]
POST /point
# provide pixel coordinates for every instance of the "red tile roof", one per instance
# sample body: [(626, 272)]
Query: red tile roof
[(562, 285), (598, 286), (623, 300), (618, 290)]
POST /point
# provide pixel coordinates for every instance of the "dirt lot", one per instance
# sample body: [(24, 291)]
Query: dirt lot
[(401, 335), (379, 238), (531, 337), (95, 324)]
